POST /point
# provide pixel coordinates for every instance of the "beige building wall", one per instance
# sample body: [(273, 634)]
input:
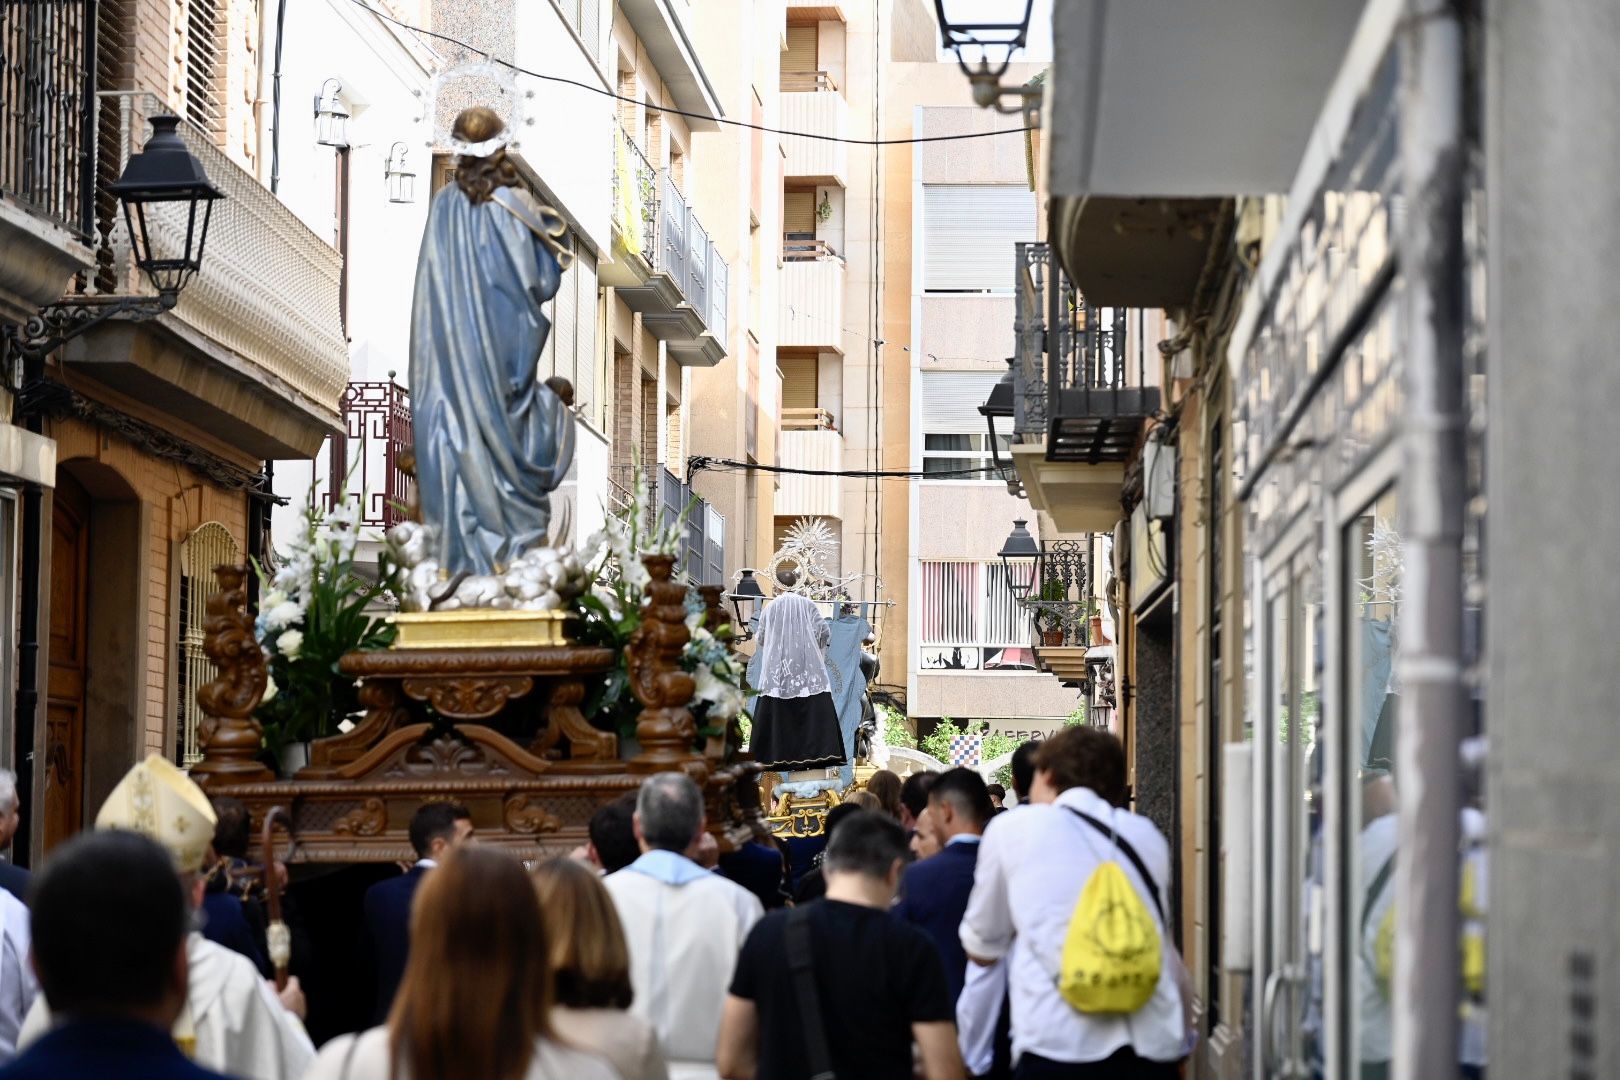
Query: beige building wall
[(953, 519), (736, 188)]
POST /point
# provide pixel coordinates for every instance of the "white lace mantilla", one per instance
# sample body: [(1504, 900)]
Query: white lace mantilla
[(790, 662)]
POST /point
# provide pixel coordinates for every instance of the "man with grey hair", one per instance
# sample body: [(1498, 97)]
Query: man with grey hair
[(13, 879), (684, 924)]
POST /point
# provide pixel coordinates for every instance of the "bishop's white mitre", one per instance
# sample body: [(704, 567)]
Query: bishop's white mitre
[(157, 799)]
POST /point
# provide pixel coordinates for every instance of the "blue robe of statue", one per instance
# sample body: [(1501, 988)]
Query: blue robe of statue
[(492, 440)]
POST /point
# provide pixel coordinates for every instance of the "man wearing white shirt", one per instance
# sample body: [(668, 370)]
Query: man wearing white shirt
[(18, 989), (684, 925), (1032, 867)]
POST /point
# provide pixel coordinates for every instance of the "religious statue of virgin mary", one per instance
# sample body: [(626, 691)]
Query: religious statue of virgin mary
[(492, 440)]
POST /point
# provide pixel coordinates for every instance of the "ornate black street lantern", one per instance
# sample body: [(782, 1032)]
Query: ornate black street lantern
[(166, 174), (1020, 559), (168, 206), (747, 598), (999, 406), (984, 50)]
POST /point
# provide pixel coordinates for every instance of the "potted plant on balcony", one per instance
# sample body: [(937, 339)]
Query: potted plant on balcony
[(314, 609), (1050, 620)]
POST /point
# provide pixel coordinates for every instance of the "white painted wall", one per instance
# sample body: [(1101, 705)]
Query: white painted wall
[(567, 132), (385, 85)]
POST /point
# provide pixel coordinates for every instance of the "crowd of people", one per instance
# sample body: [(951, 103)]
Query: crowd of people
[(931, 938)]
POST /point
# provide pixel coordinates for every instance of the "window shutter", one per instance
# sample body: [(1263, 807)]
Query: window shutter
[(968, 235), (799, 213), (951, 400), (585, 348), (563, 317), (798, 381), (801, 49)]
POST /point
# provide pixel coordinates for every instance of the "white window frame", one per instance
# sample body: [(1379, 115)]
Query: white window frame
[(977, 621)]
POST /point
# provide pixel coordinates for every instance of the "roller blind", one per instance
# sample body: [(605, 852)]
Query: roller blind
[(585, 343), (951, 400), (968, 235), (799, 212), (798, 381), (801, 49)]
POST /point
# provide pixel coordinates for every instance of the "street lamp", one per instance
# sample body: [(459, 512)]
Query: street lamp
[(166, 174), (1020, 559), (746, 600), (999, 406), (331, 118), (168, 205), (401, 181), (984, 50)]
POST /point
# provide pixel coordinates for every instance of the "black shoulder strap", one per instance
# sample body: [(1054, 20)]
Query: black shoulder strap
[(1129, 852), (801, 961), (1375, 890)]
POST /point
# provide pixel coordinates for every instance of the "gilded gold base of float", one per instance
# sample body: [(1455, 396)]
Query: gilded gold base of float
[(482, 629)]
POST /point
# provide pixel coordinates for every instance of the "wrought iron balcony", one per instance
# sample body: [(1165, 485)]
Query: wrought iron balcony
[(366, 458), (703, 556), (635, 197), (1061, 604), (683, 299), (1079, 383), (47, 117)]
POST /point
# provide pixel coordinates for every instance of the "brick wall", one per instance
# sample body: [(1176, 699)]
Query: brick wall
[(175, 501)]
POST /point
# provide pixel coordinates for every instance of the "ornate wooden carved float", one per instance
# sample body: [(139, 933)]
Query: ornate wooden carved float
[(499, 729)]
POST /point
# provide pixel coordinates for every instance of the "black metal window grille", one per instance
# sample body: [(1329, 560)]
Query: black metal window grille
[(47, 70)]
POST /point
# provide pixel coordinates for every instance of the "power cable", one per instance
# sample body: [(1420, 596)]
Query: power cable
[(402, 24), (701, 463)]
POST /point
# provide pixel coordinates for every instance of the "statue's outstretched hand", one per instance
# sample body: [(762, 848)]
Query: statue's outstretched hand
[(562, 388)]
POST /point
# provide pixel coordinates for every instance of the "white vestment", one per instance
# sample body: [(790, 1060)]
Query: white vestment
[(684, 926), (17, 986), (240, 1026)]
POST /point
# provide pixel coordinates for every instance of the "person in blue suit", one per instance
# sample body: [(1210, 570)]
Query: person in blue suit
[(116, 985), (934, 891), (435, 828)]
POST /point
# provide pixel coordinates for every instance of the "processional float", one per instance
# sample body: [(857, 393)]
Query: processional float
[(479, 698)]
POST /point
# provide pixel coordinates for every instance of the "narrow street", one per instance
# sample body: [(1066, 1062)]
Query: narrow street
[(784, 539)]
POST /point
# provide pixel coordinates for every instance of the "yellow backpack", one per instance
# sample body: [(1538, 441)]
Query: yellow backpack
[(1112, 953), (1471, 948)]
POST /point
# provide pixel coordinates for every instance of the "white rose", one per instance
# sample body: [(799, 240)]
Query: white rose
[(289, 643), (269, 694)]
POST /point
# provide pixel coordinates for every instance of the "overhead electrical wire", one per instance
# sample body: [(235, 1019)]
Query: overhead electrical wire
[(422, 31), (701, 463)]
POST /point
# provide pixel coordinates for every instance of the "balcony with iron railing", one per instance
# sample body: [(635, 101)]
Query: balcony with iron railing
[(635, 213), (1082, 393), (1061, 606), (812, 449), (366, 460), (47, 151), (702, 555), (682, 293), (811, 103), (254, 352)]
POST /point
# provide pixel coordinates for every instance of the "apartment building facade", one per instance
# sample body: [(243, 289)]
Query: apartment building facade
[(971, 646)]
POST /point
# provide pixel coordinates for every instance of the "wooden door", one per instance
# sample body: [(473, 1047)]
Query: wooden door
[(63, 804)]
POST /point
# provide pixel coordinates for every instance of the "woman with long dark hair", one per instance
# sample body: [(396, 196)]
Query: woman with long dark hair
[(590, 967), (476, 998)]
